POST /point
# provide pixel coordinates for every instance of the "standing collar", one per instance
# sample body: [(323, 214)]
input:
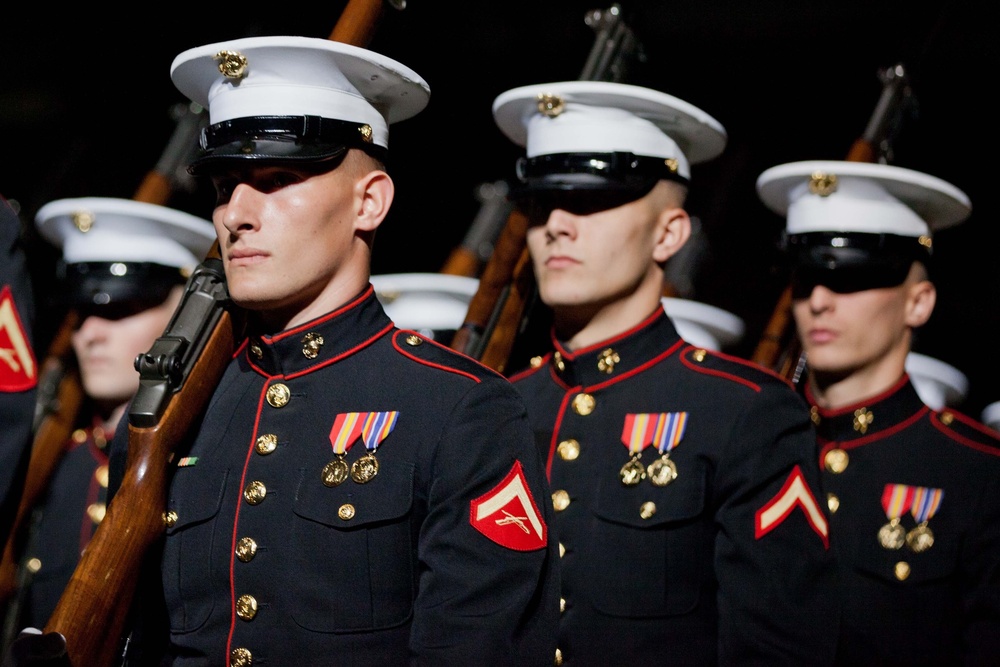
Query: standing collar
[(322, 341)]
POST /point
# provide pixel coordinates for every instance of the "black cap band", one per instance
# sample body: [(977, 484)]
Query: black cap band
[(618, 171), (302, 139)]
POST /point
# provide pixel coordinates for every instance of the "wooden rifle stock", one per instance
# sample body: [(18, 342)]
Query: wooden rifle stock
[(92, 613), (178, 376), (779, 347), (61, 394)]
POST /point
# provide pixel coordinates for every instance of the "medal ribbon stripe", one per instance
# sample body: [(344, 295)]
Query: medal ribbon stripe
[(926, 502), (637, 434), (669, 431), (346, 429), (897, 499), (377, 426)]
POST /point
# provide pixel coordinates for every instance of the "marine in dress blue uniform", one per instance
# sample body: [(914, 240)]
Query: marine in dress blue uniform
[(18, 366), (357, 494), (119, 257), (912, 488), (682, 478)]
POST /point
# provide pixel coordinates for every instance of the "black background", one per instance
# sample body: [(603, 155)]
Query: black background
[(85, 100)]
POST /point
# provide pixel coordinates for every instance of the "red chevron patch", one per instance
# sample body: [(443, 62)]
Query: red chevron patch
[(508, 514), (795, 493), (17, 360)]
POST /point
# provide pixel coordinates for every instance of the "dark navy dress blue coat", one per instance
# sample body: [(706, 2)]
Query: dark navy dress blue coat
[(441, 558), (727, 564), (894, 457)]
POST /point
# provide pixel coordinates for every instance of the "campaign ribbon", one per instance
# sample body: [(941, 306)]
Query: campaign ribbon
[(377, 425), (925, 503)]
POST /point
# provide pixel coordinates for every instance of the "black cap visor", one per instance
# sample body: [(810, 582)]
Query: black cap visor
[(851, 262), (295, 139), (113, 290), (584, 183)]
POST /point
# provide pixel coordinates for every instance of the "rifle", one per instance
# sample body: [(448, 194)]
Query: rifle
[(779, 348), (177, 377), (60, 394), (497, 314)]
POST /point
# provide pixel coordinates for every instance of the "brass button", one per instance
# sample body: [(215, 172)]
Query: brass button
[(607, 361), (413, 340), (255, 492), (169, 518), (836, 461), (560, 364), (583, 404), (33, 565), (266, 443), (79, 436), (558, 658), (699, 355), (647, 509), (311, 344), (101, 475), (346, 511), (278, 395), (814, 415), (947, 418), (246, 607), (568, 449), (902, 570), (833, 502), (562, 549), (562, 605), (256, 351), (536, 361), (100, 439), (560, 500), (96, 511), (246, 549), (240, 657)]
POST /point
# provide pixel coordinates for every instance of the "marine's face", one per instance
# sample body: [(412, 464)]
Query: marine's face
[(847, 333), (592, 259), (284, 233), (106, 349)]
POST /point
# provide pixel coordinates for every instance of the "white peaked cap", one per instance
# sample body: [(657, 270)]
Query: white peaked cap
[(606, 117), (841, 196), (301, 76), (98, 229)]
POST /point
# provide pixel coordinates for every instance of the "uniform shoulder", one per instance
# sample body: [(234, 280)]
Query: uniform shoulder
[(966, 431), (427, 352), (726, 367)]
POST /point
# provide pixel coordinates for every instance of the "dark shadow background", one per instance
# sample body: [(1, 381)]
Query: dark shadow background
[(85, 100)]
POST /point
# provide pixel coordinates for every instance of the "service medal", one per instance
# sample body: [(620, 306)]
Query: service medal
[(364, 469), (926, 502), (335, 472), (892, 535), (920, 538), (632, 472), (662, 471)]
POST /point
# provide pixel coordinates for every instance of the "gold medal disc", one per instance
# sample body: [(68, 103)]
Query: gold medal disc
[(920, 538), (892, 535), (335, 472), (364, 469), (632, 472), (662, 471)]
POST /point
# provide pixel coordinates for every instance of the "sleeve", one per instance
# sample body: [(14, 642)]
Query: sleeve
[(777, 576), (488, 589), (18, 367)]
